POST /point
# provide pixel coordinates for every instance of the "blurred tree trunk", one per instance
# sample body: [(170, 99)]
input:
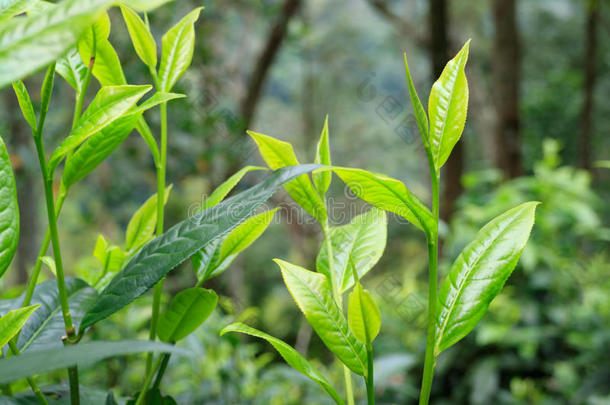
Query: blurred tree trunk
[(267, 56), (27, 248), (590, 73), (506, 78), (439, 52)]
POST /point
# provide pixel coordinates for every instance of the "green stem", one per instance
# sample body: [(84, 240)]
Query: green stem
[(162, 369), (370, 384), (149, 376), (430, 356), (80, 95), (41, 398)]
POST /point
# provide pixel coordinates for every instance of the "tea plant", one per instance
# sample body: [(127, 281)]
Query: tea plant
[(43, 328), (350, 251)]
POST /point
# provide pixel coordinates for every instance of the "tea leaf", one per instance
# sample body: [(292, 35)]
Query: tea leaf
[(290, 355), (358, 244), (10, 8), (322, 179), (311, 291), (165, 252), (177, 50), (278, 154), (479, 273), (72, 69), (109, 104), (418, 108), (12, 322), (82, 355), (388, 194), (221, 191), (447, 108), (363, 315), (29, 43), (23, 98), (141, 226), (186, 312), (142, 39), (9, 211)]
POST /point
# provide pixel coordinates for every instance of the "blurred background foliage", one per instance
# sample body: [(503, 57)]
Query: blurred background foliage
[(539, 74)]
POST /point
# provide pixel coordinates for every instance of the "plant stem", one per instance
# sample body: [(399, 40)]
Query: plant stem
[(162, 369), (41, 398), (370, 384), (347, 374), (80, 94), (149, 376), (430, 356)]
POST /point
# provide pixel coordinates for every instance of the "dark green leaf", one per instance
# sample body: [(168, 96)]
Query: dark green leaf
[(82, 355), (180, 242), (290, 355), (479, 273), (9, 211), (311, 291), (186, 312)]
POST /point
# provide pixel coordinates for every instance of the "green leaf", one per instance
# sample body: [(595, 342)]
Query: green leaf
[(50, 263), (358, 244), (314, 297), (142, 39), (221, 191), (72, 69), (27, 44), (145, 5), (107, 67), (46, 326), (177, 53), (322, 179), (363, 315), (278, 154), (110, 103), (186, 312), (12, 322), (82, 355), (9, 211), (388, 194), (290, 355), (23, 98), (10, 8), (479, 273), (111, 257), (418, 109), (180, 242), (142, 224), (447, 108), (216, 258)]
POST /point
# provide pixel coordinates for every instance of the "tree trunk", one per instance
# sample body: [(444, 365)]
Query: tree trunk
[(506, 78), (439, 52), (590, 59)]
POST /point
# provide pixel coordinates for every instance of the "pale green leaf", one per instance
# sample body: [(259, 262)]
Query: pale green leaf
[(141, 226), (23, 98), (142, 39), (50, 263), (311, 291), (290, 355), (10, 8), (418, 109), (9, 211), (358, 245), (363, 315), (322, 179), (186, 312), (177, 50), (72, 69), (278, 154), (479, 273), (221, 191), (12, 322), (447, 108)]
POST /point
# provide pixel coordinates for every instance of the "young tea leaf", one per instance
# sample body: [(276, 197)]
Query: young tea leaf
[(82, 355), (322, 179), (23, 98), (387, 194), (290, 355), (479, 273), (186, 312), (12, 322), (311, 291), (363, 315), (221, 191), (142, 39), (165, 252), (447, 108), (72, 69), (279, 154), (141, 226), (9, 211), (10, 8), (177, 50), (358, 244), (418, 109)]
